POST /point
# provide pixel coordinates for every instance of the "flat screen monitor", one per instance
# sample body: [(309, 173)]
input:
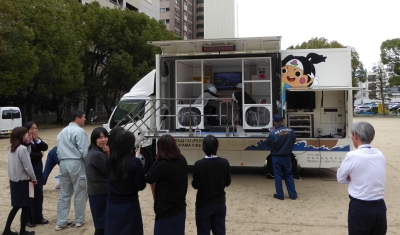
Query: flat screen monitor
[(227, 80), (300, 99)]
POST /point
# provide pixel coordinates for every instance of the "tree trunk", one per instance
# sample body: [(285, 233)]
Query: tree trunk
[(91, 102)]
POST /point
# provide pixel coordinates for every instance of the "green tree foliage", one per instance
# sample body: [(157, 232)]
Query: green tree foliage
[(56, 44), (41, 52), (117, 54), (390, 54), (18, 62), (358, 72)]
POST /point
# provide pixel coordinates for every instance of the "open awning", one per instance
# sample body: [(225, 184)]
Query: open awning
[(219, 46)]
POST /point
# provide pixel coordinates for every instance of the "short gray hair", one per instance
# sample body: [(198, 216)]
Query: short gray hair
[(364, 130)]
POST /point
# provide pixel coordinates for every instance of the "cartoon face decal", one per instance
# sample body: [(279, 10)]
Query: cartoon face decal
[(294, 76), (299, 71)]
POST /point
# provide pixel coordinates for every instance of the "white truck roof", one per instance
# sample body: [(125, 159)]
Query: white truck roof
[(143, 88), (241, 45)]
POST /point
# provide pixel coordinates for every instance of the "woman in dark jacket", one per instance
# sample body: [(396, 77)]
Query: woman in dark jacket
[(169, 173), (125, 180), (96, 175), (37, 148)]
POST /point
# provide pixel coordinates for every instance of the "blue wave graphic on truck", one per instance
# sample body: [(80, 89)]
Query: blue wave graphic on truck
[(302, 146)]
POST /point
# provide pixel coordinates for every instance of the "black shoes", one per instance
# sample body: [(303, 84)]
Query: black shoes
[(9, 233), (44, 221), (269, 176), (30, 224), (27, 233), (296, 177), (276, 197)]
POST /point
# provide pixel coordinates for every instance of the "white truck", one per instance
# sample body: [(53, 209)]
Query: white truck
[(10, 117), (312, 89)]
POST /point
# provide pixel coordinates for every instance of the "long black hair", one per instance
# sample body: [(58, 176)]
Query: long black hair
[(95, 135), (122, 148), (29, 124), (113, 133)]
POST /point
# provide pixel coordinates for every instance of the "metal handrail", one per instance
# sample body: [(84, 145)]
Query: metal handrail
[(152, 111)]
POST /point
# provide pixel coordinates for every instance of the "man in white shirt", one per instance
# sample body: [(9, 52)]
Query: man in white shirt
[(364, 170)]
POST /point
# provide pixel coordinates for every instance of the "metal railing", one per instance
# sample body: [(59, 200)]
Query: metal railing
[(148, 109)]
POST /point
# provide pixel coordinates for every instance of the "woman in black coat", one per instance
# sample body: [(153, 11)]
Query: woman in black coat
[(37, 148)]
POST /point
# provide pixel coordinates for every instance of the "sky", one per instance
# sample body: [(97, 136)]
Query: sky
[(361, 24)]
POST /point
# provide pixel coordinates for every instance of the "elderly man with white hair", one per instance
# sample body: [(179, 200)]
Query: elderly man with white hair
[(364, 170)]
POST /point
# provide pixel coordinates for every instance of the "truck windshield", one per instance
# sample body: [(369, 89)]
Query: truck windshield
[(126, 111)]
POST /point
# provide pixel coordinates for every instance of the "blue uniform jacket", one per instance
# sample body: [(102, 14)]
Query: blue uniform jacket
[(281, 141)]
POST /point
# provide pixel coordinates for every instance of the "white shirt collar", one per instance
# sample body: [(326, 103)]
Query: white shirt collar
[(364, 146), (212, 156)]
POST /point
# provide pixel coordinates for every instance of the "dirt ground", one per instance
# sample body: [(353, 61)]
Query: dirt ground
[(321, 207)]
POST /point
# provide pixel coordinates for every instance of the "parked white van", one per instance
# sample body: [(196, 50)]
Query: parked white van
[(10, 117)]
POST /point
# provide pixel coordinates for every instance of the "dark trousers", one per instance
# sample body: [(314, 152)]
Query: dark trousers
[(211, 218), (367, 217), (98, 206), (11, 216), (174, 225), (51, 161), (211, 110), (283, 170), (270, 169), (36, 208)]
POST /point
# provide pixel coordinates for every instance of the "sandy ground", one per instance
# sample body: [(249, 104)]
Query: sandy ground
[(321, 207)]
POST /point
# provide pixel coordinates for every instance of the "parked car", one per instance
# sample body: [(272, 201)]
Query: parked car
[(394, 106), (362, 108)]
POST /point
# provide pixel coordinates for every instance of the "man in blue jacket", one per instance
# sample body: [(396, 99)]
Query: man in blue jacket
[(281, 141)]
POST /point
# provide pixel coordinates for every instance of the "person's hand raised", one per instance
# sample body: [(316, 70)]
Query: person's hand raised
[(106, 149), (35, 137), (138, 152)]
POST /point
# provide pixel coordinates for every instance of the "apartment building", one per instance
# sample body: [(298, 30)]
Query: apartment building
[(189, 19), (179, 17), (199, 19), (148, 7), (370, 89)]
